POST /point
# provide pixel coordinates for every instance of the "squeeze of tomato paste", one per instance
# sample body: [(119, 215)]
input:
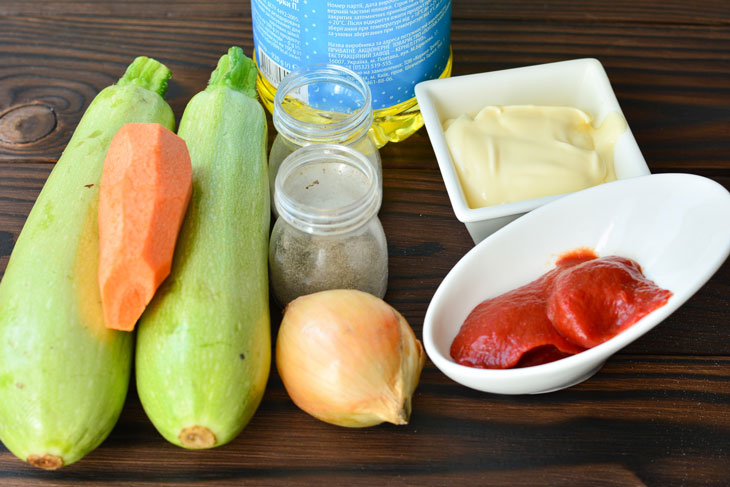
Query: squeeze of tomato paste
[(582, 302)]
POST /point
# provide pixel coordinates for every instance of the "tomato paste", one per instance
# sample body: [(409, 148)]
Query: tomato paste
[(582, 302)]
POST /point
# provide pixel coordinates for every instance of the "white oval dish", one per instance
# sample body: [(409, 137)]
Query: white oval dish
[(676, 226)]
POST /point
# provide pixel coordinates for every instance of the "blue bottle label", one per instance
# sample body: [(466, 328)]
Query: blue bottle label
[(392, 44)]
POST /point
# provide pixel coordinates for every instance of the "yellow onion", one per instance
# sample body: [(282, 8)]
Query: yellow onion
[(348, 358)]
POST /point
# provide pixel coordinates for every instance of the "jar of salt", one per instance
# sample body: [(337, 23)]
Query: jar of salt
[(320, 104), (327, 235)]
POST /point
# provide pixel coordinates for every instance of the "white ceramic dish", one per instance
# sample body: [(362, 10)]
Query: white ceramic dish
[(580, 83), (676, 226)]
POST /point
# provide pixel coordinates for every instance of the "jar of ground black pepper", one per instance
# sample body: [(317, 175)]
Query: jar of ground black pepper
[(327, 235), (317, 104)]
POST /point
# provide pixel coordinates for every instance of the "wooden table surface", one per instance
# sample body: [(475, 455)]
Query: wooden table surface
[(657, 414)]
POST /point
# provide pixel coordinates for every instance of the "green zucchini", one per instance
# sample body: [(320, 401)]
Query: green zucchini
[(63, 374), (203, 344)]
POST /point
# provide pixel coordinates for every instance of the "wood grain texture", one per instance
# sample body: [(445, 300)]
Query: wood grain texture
[(641, 419), (657, 414), (673, 82), (424, 242), (706, 12)]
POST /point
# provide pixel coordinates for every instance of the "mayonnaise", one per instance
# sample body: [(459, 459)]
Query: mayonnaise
[(520, 152)]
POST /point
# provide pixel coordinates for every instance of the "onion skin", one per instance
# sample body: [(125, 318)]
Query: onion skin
[(348, 358)]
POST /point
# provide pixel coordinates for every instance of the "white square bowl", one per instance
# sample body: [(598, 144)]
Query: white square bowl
[(579, 83)]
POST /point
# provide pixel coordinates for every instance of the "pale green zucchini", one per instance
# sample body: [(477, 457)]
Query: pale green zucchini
[(63, 374), (203, 345)]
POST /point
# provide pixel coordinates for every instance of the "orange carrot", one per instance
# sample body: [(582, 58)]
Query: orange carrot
[(145, 189)]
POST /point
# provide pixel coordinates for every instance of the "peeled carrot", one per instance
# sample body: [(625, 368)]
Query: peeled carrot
[(146, 185)]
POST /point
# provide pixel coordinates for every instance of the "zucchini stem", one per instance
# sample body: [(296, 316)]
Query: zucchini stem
[(236, 71), (147, 73)]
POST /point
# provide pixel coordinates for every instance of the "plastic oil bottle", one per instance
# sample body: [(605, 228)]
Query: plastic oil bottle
[(391, 44)]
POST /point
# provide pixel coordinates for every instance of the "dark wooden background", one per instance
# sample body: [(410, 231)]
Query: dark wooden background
[(658, 414)]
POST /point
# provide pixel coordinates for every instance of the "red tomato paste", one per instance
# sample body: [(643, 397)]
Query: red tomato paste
[(579, 304)]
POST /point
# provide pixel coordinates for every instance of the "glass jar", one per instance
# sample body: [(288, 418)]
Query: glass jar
[(321, 104), (392, 44), (328, 235)]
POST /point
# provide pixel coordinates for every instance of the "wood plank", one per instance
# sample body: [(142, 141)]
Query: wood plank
[(704, 12), (674, 408), (712, 12), (78, 57), (672, 82), (424, 242)]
